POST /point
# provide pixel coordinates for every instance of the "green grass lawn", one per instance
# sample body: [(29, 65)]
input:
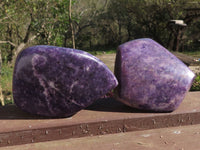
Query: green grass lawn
[(101, 52), (6, 82), (194, 54)]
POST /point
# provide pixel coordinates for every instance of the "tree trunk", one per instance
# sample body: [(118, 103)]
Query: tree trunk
[(1, 91), (65, 40), (71, 25), (129, 30), (171, 41), (120, 32), (21, 46)]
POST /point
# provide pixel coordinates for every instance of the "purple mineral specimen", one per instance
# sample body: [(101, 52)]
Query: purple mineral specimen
[(58, 82), (150, 77)]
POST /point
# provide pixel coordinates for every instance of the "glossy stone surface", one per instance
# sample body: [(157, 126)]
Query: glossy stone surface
[(58, 82), (150, 77)]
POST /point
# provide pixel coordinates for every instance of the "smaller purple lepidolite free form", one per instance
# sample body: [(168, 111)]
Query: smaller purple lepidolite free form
[(58, 82), (150, 77)]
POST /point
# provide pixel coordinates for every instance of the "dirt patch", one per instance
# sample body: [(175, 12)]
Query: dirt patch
[(188, 60), (109, 60), (195, 69)]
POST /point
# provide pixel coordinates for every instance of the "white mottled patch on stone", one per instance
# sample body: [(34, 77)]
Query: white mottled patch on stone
[(22, 63), (87, 68), (72, 86), (45, 90), (78, 104), (41, 79), (52, 85), (148, 60), (42, 60)]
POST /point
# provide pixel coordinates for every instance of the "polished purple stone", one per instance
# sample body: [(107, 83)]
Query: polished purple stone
[(58, 82), (150, 77)]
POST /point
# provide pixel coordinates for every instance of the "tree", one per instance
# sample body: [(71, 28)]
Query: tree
[(89, 22), (23, 24), (15, 37), (1, 91), (71, 24)]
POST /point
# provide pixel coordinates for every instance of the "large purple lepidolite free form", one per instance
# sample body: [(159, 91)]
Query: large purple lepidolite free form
[(150, 77), (58, 82)]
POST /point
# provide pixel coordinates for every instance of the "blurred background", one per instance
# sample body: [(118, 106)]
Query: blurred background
[(97, 26)]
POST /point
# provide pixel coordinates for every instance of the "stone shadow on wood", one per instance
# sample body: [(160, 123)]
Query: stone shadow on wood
[(13, 112), (112, 105)]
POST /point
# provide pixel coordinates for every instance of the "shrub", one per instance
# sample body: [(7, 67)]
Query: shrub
[(196, 83)]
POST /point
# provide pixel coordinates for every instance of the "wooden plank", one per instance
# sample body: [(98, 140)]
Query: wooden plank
[(106, 116), (175, 138)]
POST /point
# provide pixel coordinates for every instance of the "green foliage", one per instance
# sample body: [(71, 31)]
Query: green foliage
[(117, 21), (20, 20), (196, 84), (6, 77), (102, 52), (97, 23), (6, 83)]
